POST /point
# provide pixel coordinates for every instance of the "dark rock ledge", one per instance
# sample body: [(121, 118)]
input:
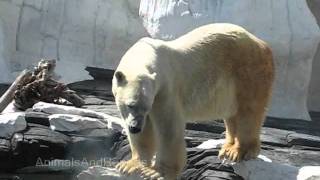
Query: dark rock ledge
[(289, 144)]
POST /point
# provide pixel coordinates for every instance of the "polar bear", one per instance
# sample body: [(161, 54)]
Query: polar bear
[(217, 71)]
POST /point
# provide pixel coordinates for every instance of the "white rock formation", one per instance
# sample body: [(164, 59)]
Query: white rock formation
[(263, 168), (309, 173), (50, 108), (77, 33), (287, 25), (111, 121), (72, 123), (11, 123)]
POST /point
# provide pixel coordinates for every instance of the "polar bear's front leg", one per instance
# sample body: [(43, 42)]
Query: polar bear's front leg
[(142, 149), (171, 150)]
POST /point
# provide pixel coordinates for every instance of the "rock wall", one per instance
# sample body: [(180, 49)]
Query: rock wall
[(77, 33), (3, 64), (83, 33), (314, 89), (287, 25)]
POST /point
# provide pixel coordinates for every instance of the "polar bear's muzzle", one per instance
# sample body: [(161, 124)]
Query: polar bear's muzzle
[(135, 125)]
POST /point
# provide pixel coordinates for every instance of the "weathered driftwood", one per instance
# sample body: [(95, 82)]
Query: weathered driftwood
[(7, 97), (40, 85)]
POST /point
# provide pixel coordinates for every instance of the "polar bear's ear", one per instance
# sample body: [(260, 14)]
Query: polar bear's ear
[(121, 78)]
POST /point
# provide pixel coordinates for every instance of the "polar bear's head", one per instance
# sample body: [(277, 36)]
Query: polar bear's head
[(134, 95), (133, 84)]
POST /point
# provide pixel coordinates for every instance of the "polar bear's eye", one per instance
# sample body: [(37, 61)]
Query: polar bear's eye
[(131, 106)]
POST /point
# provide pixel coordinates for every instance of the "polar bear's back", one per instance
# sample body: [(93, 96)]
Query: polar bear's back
[(217, 34), (217, 63)]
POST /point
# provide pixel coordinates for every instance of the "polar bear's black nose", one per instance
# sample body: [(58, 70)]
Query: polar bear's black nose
[(135, 125), (134, 130)]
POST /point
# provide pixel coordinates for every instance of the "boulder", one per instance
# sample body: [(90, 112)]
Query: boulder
[(112, 122), (11, 123), (289, 28), (74, 123)]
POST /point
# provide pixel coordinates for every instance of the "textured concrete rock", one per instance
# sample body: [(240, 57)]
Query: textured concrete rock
[(77, 33), (4, 77), (314, 89), (287, 25)]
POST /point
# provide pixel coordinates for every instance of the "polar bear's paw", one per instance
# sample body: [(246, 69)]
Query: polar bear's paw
[(149, 173), (224, 150), (238, 153), (130, 166)]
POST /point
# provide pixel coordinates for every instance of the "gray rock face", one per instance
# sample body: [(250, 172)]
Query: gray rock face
[(76, 33), (3, 64), (314, 89), (287, 25)]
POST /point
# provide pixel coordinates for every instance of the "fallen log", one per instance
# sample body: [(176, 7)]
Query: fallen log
[(38, 85), (41, 86)]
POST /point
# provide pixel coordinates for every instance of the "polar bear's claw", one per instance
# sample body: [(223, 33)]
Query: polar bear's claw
[(238, 153), (150, 174), (129, 167)]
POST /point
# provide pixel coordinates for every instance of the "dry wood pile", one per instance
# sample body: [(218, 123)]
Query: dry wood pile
[(40, 84)]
